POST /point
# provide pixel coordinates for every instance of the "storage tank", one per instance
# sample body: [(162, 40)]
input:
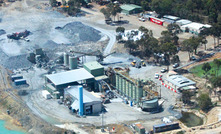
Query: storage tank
[(66, 59), (150, 105), (81, 105), (73, 63)]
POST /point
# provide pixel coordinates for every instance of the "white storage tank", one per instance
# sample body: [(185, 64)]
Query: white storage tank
[(73, 63), (46, 94), (66, 59)]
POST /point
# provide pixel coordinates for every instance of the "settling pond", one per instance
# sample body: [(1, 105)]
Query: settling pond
[(191, 120)]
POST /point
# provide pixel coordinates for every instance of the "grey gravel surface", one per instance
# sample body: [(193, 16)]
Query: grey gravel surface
[(78, 32)]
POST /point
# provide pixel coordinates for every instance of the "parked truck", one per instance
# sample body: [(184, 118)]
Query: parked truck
[(46, 94)]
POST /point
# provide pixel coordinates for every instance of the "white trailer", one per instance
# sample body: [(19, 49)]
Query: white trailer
[(46, 94)]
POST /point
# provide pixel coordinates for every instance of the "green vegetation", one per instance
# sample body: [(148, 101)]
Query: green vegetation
[(214, 71), (111, 10), (194, 10), (204, 102)]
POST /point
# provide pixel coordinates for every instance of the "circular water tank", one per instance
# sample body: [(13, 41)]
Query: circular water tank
[(150, 104), (73, 63)]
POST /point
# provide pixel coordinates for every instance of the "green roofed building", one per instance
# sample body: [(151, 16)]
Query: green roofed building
[(95, 68), (130, 9)]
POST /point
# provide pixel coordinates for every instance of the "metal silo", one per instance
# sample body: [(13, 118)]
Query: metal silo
[(73, 63), (81, 104), (66, 59)]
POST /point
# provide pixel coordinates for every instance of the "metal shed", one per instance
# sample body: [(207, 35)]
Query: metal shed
[(130, 9), (178, 81), (59, 81), (95, 68), (91, 104)]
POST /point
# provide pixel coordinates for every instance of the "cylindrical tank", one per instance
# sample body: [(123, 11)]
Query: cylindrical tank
[(73, 63), (81, 106), (66, 59), (150, 105)]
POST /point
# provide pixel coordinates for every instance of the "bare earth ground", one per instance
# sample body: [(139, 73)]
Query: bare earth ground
[(42, 22)]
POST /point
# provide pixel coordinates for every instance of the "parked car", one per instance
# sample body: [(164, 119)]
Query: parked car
[(163, 70), (156, 76), (193, 58), (176, 65), (142, 19)]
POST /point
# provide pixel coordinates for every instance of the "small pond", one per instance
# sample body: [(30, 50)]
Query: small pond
[(190, 119)]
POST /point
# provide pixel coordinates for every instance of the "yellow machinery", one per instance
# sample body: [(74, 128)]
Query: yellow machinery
[(133, 63)]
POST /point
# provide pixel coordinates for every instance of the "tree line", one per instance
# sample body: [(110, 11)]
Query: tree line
[(194, 10), (72, 7), (148, 46)]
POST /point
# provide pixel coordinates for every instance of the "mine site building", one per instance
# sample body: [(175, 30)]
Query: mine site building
[(194, 27), (56, 83), (91, 104), (130, 9), (156, 20), (97, 70), (178, 82), (183, 22), (168, 19)]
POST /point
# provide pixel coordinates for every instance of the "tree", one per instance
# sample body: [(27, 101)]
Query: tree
[(114, 9), (215, 82), (120, 30), (131, 45), (106, 13), (53, 3), (204, 102), (74, 7), (187, 47), (186, 96), (218, 64), (206, 67)]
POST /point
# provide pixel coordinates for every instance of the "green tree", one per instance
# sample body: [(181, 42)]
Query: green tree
[(114, 9), (53, 3), (186, 45), (204, 102), (120, 29), (106, 13), (74, 7), (206, 68), (131, 45), (186, 96), (218, 64)]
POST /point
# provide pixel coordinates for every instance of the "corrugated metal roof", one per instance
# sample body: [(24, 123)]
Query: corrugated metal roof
[(129, 7), (69, 76), (195, 25), (87, 96), (183, 22), (171, 17), (180, 81), (93, 65)]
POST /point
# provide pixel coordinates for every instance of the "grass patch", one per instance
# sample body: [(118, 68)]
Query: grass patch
[(198, 71)]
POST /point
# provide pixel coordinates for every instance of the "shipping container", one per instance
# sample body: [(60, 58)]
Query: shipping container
[(20, 82), (165, 127), (16, 77)]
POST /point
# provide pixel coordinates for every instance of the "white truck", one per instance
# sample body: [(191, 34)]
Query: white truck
[(46, 94)]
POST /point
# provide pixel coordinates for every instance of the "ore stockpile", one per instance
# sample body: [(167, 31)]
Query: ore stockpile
[(75, 32)]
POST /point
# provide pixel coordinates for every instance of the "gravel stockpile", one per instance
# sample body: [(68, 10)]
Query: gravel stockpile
[(78, 32), (51, 45), (16, 62), (2, 32)]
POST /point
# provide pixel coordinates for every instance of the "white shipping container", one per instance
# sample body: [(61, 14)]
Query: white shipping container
[(46, 94)]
